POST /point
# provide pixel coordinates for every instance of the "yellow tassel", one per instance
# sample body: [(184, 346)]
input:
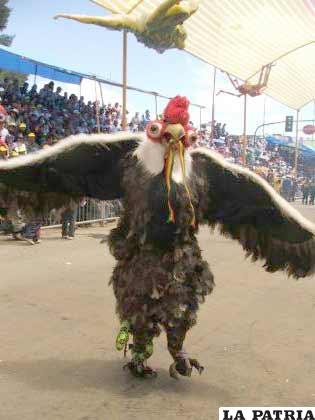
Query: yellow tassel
[(169, 163), (183, 166)]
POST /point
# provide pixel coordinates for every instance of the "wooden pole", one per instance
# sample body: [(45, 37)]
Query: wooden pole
[(244, 131), (213, 103), (156, 106), (124, 99), (296, 144)]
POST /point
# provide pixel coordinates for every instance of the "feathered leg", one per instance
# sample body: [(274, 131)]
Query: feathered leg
[(183, 364), (141, 350)]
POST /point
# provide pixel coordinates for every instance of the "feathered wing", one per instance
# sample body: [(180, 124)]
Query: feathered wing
[(115, 21), (250, 211), (83, 165)]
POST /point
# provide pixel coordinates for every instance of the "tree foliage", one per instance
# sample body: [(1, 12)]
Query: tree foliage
[(12, 75), (6, 40), (5, 11)]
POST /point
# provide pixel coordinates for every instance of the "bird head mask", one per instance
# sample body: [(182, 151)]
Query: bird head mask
[(175, 133), (174, 128)]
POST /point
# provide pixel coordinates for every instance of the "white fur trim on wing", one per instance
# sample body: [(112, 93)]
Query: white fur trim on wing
[(67, 144)]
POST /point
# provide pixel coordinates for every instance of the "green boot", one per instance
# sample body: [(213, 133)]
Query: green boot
[(138, 364), (123, 336)]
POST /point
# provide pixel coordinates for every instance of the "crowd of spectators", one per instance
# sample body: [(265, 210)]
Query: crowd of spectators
[(32, 118), (308, 191), (267, 160)]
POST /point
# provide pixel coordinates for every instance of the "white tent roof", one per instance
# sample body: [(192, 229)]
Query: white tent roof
[(240, 36)]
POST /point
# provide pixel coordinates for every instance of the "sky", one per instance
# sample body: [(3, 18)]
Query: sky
[(94, 50)]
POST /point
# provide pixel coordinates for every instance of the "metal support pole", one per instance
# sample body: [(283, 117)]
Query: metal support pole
[(200, 117), (101, 91), (213, 103), (244, 131), (296, 144), (35, 75), (124, 99), (264, 115), (97, 110)]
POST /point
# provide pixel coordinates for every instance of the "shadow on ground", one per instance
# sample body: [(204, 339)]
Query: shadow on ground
[(103, 238), (106, 375)]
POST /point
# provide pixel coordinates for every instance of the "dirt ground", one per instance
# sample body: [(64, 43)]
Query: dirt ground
[(255, 337)]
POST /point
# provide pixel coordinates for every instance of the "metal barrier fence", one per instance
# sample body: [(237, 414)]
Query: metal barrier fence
[(93, 211)]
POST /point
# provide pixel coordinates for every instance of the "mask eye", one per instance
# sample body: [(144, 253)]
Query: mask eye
[(155, 130)]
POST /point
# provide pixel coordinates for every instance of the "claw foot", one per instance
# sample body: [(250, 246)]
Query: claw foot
[(184, 367), (140, 370)]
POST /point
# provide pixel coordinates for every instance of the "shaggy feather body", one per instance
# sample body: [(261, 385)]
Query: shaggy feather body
[(160, 278)]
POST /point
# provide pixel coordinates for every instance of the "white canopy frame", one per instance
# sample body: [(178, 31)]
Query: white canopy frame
[(241, 36)]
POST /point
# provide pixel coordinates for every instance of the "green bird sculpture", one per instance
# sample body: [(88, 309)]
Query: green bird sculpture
[(161, 30)]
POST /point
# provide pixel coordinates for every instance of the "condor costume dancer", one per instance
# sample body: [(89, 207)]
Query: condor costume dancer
[(168, 190)]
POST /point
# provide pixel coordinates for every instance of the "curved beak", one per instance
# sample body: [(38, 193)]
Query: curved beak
[(174, 133)]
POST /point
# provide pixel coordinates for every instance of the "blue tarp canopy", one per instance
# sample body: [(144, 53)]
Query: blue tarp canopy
[(20, 64), (305, 150), (277, 141)]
